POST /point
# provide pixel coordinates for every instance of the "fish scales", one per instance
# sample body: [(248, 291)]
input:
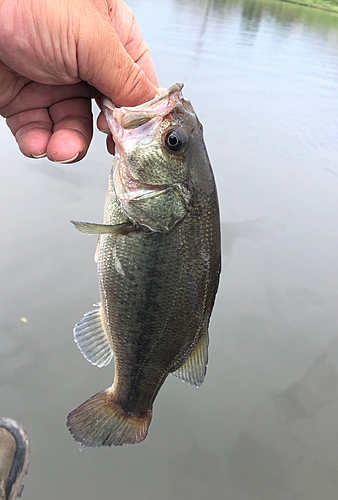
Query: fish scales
[(157, 284), (148, 308)]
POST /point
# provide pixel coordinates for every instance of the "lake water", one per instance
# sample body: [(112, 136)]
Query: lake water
[(263, 78)]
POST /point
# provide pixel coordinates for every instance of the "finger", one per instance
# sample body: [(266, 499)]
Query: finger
[(110, 144), (10, 84), (64, 133), (37, 96), (132, 39), (102, 124), (32, 125), (108, 67), (32, 130), (103, 127), (72, 131)]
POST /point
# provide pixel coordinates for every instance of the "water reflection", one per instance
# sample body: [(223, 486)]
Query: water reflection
[(251, 17), (282, 13), (200, 38), (317, 388), (282, 442), (231, 232)]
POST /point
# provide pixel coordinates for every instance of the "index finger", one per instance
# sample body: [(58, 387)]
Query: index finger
[(132, 39)]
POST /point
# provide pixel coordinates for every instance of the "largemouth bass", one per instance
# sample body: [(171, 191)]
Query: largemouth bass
[(158, 259)]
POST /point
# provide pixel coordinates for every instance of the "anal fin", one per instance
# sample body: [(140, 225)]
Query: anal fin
[(195, 367), (92, 339)]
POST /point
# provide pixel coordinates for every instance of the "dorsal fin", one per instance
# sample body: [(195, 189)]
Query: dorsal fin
[(195, 367), (92, 339)]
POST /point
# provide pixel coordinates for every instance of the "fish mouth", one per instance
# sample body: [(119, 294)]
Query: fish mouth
[(124, 119)]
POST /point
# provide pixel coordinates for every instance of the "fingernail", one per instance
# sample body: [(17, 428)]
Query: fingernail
[(39, 156), (70, 159)]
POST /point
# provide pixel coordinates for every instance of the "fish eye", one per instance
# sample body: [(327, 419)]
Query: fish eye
[(175, 140)]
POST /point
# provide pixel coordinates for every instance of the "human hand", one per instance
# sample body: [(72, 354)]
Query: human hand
[(55, 56)]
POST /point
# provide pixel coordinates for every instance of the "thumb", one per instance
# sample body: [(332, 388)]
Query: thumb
[(105, 64)]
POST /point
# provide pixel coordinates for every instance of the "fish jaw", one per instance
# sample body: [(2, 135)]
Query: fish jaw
[(133, 117), (140, 124)]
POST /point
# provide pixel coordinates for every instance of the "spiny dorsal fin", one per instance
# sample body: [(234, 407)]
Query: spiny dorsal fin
[(92, 339), (195, 367)]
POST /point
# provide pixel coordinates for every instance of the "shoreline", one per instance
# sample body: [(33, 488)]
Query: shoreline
[(320, 5)]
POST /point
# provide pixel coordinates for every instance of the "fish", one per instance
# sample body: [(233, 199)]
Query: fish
[(159, 260)]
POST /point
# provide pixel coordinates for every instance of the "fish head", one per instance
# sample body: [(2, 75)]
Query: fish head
[(154, 145)]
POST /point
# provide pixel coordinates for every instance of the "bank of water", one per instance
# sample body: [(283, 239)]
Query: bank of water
[(330, 5)]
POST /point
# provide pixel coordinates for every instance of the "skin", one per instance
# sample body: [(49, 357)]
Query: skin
[(55, 56)]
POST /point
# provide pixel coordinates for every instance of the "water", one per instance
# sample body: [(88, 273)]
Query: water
[(263, 77)]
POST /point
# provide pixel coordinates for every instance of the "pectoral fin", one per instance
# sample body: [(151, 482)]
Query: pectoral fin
[(92, 339), (92, 228), (195, 367)]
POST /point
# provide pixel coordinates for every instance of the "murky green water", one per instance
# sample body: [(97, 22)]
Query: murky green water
[(263, 77)]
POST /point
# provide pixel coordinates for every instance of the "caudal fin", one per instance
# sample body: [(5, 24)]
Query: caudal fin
[(102, 422)]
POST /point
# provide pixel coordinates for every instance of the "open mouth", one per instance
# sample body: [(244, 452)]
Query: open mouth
[(131, 118)]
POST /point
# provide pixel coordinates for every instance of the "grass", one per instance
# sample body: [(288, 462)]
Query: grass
[(330, 5)]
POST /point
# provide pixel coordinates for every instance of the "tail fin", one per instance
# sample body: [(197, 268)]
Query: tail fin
[(102, 422)]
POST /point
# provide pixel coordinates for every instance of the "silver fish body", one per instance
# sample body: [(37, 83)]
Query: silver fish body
[(158, 265)]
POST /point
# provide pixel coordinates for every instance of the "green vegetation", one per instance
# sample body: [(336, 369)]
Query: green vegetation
[(323, 16), (331, 5)]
